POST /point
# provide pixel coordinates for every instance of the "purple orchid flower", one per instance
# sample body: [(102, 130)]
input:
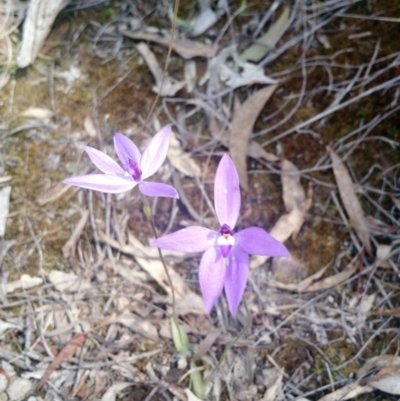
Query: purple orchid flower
[(225, 262), (136, 167)]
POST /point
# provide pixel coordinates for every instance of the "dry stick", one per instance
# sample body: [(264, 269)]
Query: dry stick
[(171, 41), (325, 113)]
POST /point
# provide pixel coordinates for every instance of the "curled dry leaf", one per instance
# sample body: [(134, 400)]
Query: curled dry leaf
[(181, 160), (241, 129), (347, 392), (69, 282), (248, 74), (274, 391), (382, 373), (350, 200), (69, 349), (114, 390), (167, 87), (205, 20), (187, 49)]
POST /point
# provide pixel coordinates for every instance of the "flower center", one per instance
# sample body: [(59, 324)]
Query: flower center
[(226, 240), (133, 169)]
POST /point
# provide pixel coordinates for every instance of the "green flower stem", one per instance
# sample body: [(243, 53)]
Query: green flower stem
[(147, 212)]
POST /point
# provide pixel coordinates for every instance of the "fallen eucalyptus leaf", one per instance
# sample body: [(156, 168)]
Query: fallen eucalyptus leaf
[(241, 129), (350, 200), (268, 41), (185, 48)]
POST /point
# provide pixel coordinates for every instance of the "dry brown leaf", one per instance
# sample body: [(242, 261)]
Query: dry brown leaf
[(69, 349), (387, 380), (331, 281), (302, 285), (374, 364), (138, 325), (182, 160), (347, 392), (186, 300), (312, 283), (241, 129), (382, 373), (274, 391), (207, 343), (114, 390), (287, 225), (185, 48), (350, 200), (168, 86), (254, 149), (293, 193)]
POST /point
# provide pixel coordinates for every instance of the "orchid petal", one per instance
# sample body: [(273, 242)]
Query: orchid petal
[(126, 150), (212, 272), (103, 162), (227, 192), (158, 189), (236, 278), (102, 182), (156, 152), (190, 239), (256, 241)]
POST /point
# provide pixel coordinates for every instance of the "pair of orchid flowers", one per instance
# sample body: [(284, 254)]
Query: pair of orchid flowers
[(225, 261)]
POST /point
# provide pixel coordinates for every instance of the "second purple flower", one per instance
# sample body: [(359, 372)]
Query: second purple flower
[(135, 167)]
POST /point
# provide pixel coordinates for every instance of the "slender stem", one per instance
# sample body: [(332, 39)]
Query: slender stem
[(235, 340), (149, 215)]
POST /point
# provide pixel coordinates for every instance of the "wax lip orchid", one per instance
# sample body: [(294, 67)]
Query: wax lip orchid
[(225, 262), (135, 167)]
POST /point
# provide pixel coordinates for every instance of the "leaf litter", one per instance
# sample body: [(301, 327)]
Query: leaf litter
[(120, 296)]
